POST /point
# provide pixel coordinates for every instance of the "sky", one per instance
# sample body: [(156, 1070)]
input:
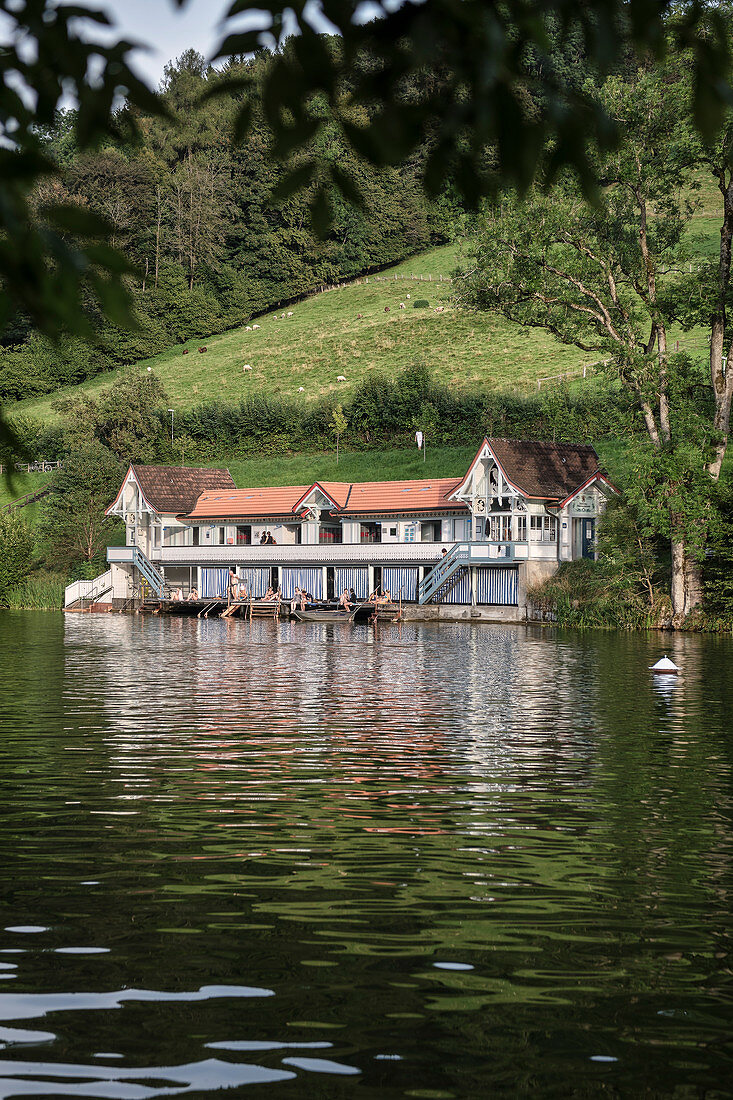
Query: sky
[(166, 29)]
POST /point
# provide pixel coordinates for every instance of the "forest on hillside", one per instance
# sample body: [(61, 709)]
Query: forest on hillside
[(212, 233)]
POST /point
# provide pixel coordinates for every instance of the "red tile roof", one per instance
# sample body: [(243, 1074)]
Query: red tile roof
[(248, 503), (177, 488), (353, 499), (372, 497)]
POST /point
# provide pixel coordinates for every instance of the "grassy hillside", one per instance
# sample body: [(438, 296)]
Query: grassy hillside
[(348, 332), (326, 338)]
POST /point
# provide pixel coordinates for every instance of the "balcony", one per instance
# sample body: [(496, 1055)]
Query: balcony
[(354, 554)]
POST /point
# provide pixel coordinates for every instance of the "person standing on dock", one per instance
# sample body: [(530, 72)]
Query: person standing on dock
[(233, 585)]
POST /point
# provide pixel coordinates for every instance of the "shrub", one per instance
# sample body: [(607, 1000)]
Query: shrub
[(421, 303), (16, 549)]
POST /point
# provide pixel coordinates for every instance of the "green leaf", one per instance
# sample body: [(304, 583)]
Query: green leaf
[(347, 187), (296, 180), (225, 87), (321, 212), (242, 122), (78, 220), (241, 42)]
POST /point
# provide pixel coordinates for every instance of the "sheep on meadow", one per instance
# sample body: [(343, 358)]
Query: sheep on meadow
[(341, 378)]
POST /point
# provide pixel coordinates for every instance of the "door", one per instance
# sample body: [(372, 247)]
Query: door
[(588, 538)]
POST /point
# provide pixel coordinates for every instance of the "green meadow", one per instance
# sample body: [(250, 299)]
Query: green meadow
[(303, 356), (359, 328)]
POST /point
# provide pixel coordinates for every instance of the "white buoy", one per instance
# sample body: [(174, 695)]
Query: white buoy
[(665, 665)]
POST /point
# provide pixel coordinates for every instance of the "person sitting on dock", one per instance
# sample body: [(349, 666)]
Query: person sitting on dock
[(193, 596), (344, 600), (270, 594), (352, 596), (243, 591), (177, 594)]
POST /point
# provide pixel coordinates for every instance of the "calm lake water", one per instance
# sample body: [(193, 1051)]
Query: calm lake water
[(315, 861)]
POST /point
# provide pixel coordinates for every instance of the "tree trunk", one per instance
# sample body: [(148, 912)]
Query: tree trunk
[(693, 584), (721, 374), (686, 583), (678, 582)]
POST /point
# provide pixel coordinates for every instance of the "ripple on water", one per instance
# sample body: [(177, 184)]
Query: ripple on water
[(432, 859)]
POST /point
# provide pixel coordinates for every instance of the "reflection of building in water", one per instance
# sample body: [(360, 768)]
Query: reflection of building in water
[(304, 700)]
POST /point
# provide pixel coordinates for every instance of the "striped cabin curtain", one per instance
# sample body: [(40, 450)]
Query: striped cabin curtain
[(358, 579), (460, 592), (257, 581), (496, 585), (214, 582), (309, 579), (400, 581)]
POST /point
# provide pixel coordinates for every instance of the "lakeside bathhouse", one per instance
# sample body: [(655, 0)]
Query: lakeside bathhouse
[(456, 546)]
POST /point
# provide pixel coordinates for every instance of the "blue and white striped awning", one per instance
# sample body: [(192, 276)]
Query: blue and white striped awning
[(458, 592), (214, 582), (256, 580), (309, 579), (400, 582), (496, 585), (358, 579)]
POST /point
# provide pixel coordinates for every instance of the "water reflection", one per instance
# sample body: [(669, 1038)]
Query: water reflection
[(423, 860)]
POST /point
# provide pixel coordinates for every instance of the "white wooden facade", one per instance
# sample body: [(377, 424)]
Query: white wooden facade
[(504, 524)]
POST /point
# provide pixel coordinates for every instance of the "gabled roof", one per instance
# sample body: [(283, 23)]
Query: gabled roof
[(596, 479), (398, 497), (549, 471), (248, 503), (544, 471), (347, 499), (174, 489), (335, 492)]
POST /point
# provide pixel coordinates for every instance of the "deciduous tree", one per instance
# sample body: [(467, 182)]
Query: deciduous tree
[(609, 278)]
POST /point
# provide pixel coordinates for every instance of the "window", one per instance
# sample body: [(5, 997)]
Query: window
[(244, 535), (521, 522), (500, 528), (330, 534), (393, 532), (543, 528), (369, 532)]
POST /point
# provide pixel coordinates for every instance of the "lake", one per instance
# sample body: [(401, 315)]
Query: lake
[(321, 860)]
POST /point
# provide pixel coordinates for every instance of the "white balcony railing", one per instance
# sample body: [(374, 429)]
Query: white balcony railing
[(371, 553)]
